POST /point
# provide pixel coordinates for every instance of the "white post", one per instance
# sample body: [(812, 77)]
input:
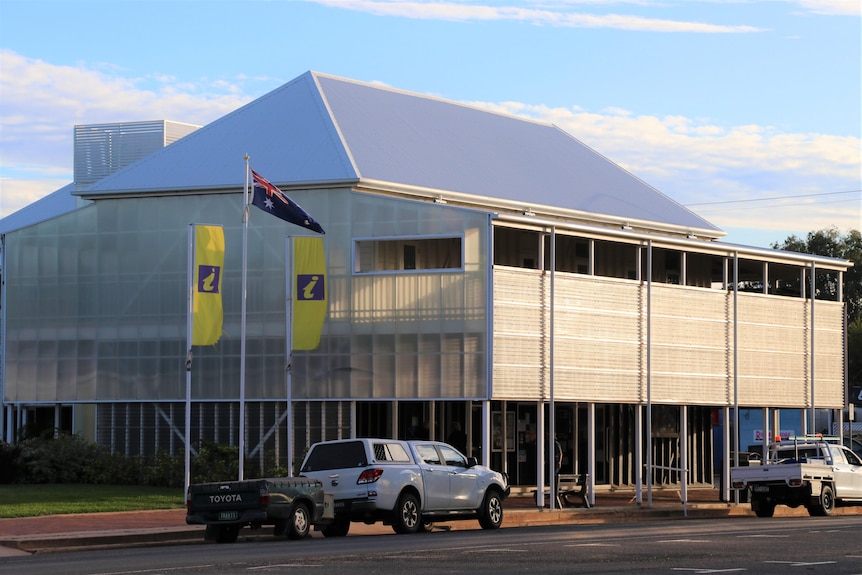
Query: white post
[(813, 425), (591, 451), (552, 434), (288, 252), (540, 454), (683, 455), (639, 449), (242, 336), (486, 433), (649, 457), (188, 425)]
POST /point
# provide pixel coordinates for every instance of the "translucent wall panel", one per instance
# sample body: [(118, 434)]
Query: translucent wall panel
[(97, 299), (395, 334), (100, 297)]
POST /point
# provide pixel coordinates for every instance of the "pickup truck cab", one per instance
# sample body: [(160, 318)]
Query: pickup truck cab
[(802, 471), (406, 484)]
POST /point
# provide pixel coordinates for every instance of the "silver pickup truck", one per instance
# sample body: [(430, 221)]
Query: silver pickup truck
[(406, 484), (802, 471)]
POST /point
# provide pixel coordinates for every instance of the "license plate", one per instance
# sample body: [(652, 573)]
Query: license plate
[(760, 488), (228, 515)]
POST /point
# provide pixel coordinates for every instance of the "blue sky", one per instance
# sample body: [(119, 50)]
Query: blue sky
[(746, 111)]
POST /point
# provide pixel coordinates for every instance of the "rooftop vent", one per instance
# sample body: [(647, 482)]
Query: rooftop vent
[(102, 149)]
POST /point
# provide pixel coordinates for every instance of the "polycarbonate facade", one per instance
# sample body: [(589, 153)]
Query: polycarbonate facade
[(96, 305)]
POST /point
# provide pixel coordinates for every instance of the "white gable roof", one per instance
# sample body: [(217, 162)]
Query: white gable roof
[(320, 129), (54, 204)]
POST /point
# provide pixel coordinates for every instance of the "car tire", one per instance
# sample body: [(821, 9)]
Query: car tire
[(762, 508), (826, 502), (338, 528), (491, 512), (408, 518), (300, 522), (227, 534)]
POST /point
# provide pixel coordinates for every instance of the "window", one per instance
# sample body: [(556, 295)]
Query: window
[(452, 457), (336, 456), (405, 254), (390, 452), (428, 453)]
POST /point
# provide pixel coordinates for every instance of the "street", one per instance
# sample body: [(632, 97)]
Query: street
[(830, 545)]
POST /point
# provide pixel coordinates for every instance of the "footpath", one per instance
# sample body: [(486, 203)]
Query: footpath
[(52, 533)]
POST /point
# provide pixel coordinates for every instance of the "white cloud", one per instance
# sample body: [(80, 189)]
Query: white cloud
[(42, 103), (545, 13), (833, 7), (691, 161), (18, 192), (697, 162)]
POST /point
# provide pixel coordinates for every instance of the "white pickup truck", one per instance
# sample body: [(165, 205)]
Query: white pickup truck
[(802, 471), (406, 484)]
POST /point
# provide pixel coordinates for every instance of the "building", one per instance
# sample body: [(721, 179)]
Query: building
[(481, 268)]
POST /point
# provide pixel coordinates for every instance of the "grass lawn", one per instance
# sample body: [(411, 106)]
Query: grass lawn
[(55, 499)]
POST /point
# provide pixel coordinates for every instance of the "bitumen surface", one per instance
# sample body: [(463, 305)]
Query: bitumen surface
[(52, 533)]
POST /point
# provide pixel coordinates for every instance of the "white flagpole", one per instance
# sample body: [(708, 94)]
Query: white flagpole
[(188, 430), (289, 283), (245, 215)]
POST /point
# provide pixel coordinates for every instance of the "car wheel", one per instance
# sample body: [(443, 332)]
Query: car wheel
[(338, 528), (762, 508), (300, 523), (491, 512), (407, 518), (827, 500), (227, 534)]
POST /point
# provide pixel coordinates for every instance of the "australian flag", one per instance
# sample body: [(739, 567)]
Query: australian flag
[(272, 200)]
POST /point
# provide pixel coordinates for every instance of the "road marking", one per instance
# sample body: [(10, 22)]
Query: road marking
[(762, 536), (701, 570), (801, 563), (684, 541), (492, 550), (161, 570), (593, 545), (277, 565)]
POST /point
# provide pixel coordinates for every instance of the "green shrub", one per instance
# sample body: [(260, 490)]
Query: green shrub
[(71, 459), (62, 459), (164, 470), (215, 462), (10, 456)]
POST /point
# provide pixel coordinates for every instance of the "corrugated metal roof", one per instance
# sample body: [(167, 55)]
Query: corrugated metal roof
[(320, 128), (54, 204), (287, 133)]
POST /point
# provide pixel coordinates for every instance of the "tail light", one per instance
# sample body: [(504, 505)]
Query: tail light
[(264, 496), (738, 484), (369, 476), (795, 482)]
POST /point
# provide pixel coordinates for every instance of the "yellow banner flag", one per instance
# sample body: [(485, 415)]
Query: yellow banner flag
[(309, 292), (207, 315)]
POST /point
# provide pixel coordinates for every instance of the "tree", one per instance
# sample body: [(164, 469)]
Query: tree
[(831, 243)]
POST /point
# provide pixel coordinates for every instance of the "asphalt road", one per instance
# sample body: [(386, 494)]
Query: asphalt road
[(831, 546)]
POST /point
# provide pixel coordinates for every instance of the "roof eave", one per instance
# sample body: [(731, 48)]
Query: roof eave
[(497, 205)]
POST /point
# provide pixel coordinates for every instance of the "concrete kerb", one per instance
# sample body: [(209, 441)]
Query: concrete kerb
[(518, 517)]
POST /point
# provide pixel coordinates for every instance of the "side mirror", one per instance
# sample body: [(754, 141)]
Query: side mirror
[(472, 462)]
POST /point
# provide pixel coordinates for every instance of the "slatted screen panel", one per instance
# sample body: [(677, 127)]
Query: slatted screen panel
[(691, 331), (600, 343), (829, 355)]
